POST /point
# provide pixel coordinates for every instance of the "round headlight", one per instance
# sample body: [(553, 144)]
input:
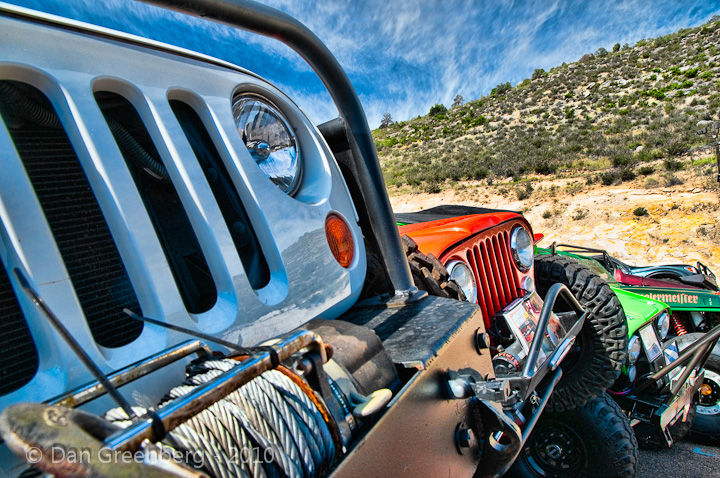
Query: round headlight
[(663, 325), (270, 140), (634, 349), (522, 248), (632, 373), (461, 273)]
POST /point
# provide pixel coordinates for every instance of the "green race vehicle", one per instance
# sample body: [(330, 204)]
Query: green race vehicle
[(666, 321)]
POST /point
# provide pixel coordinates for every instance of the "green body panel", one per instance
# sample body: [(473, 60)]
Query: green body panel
[(638, 309), (680, 299)]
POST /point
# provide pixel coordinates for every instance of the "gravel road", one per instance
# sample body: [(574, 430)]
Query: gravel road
[(686, 459)]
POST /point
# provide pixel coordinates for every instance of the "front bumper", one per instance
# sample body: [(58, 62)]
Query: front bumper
[(515, 401), (672, 402)]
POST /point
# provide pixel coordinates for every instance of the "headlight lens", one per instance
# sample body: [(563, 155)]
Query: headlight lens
[(270, 140), (632, 373), (634, 349), (663, 325), (461, 273), (522, 248)]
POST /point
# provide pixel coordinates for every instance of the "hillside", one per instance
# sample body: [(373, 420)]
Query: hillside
[(605, 117), (602, 152), (676, 224)]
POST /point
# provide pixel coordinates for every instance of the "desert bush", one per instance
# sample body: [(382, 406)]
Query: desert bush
[(670, 180), (579, 214), (651, 183), (609, 178), (640, 211), (626, 174), (673, 165), (646, 170), (524, 192)]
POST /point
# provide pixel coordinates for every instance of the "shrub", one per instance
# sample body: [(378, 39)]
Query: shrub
[(547, 214), (640, 211), (673, 148), (579, 214), (524, 192), (627, 174), (431, 187), (671, 180), (609, 178), (437, 109), (501, 89), (673, 165), (651, 183), (646, 170)]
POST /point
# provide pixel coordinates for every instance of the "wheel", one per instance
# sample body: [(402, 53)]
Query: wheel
[(707, 417), (595, 441), (429, 274), (600, 350)]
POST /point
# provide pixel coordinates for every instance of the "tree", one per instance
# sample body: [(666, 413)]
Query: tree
[(538, 73), (601, 52), (616, 47), (458, 101), (437, 109), (501, 88), (386, 120)]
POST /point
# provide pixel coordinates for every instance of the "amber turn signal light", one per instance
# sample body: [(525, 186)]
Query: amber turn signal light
[(340, 239)]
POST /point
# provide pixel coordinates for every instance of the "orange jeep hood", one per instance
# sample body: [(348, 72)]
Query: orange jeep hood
[(435, 237)]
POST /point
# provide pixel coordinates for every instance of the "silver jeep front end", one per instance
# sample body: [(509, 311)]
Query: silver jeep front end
[(139, 206)]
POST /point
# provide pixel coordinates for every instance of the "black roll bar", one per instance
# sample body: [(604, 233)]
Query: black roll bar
[(266, 21)]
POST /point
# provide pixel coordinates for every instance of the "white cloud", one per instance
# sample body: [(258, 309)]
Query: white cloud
[(403, 57)]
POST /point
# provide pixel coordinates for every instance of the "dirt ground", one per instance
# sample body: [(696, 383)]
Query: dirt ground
[(678, 224)]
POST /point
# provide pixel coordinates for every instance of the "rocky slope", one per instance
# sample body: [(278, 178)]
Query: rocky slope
[(676, 224), (606, 115), (602, 152)]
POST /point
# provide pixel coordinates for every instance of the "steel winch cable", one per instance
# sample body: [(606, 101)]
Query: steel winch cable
[(269, 427)]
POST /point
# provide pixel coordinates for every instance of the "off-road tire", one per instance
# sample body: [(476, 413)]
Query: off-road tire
[(594, 441), (429, 274), (600, 349)]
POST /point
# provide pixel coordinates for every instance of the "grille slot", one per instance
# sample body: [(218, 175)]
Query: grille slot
[(491, 261), (162, 202), (76, 221), (19, 358), (231, 207)]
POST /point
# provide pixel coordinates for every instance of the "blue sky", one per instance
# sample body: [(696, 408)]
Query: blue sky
[(403, 56)]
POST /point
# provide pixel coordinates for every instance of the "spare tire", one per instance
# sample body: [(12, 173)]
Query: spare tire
[(600, 350), (429, 274)]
